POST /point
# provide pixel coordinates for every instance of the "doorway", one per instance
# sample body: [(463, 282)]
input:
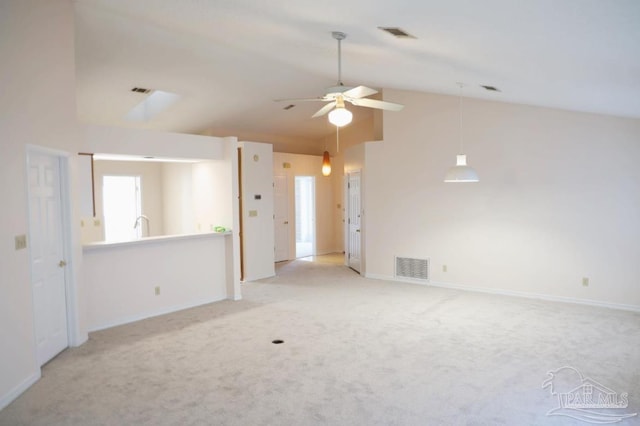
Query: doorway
[(305, 209), (281, 217), (48, 253)]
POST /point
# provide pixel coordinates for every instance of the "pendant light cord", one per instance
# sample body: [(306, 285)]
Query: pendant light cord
[(337, 139)]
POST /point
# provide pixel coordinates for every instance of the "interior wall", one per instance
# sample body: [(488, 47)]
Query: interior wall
[(151, 183), (556, 202), (37, 107), (310, 165), (212, 193), (178, 201), (257, 212)]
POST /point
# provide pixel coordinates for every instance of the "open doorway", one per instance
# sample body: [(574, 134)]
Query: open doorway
[(305, 208)]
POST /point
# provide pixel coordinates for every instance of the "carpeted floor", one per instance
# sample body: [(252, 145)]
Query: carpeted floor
[(355, 352)]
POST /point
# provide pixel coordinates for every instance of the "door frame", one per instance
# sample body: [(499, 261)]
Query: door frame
[(74, 337)]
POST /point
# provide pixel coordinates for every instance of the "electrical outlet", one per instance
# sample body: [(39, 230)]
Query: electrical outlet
[(157, 290), (585, 282), (96, 222), (444, 268)]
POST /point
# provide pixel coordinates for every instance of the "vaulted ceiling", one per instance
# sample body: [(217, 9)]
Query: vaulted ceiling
[(229, 60)]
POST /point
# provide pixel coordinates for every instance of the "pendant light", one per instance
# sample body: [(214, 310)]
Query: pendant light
[(461, 172), (326, 159), (326, 164)]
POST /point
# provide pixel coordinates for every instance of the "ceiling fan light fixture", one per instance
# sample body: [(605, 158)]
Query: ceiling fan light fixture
[(326, 164), (340, 116)]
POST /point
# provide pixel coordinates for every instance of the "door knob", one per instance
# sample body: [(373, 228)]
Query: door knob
[(286, 222), (357, 230), (62, 264)]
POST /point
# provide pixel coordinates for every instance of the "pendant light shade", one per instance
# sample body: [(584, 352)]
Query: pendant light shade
[(326, 164), (340, 116), (461, 172)]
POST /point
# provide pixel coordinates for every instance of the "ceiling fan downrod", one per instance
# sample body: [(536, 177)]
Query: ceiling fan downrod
[(338, 35)]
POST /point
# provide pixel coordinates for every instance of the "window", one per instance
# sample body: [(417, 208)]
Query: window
[(122, 206)]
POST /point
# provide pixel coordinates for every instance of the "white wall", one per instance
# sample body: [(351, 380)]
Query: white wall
[(557, 198), (257, 230), (197, 197), (151, 186), (121, 280), (326, 205), (37, 107), (142, 142), (212, 194), (177, 201)]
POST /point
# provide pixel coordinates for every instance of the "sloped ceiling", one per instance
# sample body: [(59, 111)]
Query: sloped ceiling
[(229, 60)]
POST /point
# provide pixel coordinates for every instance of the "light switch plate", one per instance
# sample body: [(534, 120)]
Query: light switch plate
[(253, 213), (21, 242)]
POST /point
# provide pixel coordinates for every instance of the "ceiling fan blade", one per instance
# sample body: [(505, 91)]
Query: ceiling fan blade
[(374, 103), (359, 92), (325, 109), (320, 99)]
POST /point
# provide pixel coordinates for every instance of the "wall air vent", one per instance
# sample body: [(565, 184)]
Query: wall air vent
[(396, 32), (491, 88), (412, 269), (140, 90)]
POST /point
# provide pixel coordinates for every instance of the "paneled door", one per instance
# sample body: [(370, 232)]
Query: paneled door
[(354, 210), (281, 217), (48, 265)]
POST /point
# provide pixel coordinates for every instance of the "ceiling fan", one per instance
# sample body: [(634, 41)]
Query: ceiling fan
[(338, 94)]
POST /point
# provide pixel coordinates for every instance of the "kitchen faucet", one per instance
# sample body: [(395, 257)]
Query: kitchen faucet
[(139, 223)]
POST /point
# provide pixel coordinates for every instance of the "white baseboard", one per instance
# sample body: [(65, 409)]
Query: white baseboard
[(18, 390), (548, 297), (524, 294), (134, 318), (380, 277)]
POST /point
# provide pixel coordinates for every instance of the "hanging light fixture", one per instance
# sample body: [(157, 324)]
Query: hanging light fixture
[(461, 172), (326, 164), (340, 116)]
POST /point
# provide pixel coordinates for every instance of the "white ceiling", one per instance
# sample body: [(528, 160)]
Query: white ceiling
[(228, 60)]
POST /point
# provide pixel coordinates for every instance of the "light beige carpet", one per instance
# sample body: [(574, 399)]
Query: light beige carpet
[(355, 352)]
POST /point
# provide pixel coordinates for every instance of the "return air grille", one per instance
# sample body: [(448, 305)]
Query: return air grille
[(413, 269)]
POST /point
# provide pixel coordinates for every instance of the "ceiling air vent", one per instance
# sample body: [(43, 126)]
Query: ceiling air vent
[(396, 32), (140, 90), (288, 107), (412, 269), (491, 88)]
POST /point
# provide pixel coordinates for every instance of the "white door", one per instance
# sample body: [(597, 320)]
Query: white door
[(281, 217), (48, 265), (353, 220)]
